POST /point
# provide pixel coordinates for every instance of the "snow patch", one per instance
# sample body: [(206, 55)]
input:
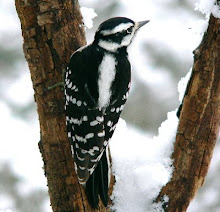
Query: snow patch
[(182, 85), (207, 7), (198, 28), (88, 14), (141, 165)]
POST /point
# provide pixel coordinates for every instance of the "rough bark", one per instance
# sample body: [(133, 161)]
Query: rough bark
[(198, 125), (52, 31)]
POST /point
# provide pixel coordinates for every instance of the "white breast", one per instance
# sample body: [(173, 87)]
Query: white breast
[(107, 71)]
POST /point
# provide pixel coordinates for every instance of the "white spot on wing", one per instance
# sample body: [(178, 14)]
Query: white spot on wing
[(72, 150), (96, 148), (79, 103), (91, 152), (100, 118), (69, 85), (75, 121), (85, 118), (74, 100), (84, 151), (67, 81), (112, 128), (121, 108), (91, 170), (113, 109), (73, 87), (101, 134), (89, 135), (67, 98), (80, 138), (79, 158), (94, 123), (109, 123), (82, 168)]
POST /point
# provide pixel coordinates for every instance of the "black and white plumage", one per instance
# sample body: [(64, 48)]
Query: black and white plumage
[(97, 83)]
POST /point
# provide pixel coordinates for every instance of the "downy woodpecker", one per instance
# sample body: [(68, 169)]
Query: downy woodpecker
[(97, 82)]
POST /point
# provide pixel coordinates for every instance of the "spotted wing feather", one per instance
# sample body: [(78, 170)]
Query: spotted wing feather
[(112, 115), (85, 126), (89, 126)]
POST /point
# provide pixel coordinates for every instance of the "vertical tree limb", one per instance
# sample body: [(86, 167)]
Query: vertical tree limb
[(198, 125), (52, 31)]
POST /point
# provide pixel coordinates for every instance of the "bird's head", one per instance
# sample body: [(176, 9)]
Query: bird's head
[(116, 33)]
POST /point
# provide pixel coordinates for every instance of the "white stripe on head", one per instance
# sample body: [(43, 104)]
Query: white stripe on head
[(128, 38), (126, 41), (117, 29)]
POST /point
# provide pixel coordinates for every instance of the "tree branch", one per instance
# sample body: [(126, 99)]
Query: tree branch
[(198, 125)]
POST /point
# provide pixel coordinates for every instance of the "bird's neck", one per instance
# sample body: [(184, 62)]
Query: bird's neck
[(110, 48)]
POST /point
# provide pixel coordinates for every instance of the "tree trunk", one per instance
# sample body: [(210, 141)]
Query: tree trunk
[(52, 31), (198, 125)]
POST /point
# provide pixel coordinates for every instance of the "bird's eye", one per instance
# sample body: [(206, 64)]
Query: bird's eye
[(129, 30)]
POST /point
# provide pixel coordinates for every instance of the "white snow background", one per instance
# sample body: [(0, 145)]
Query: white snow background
[(141, 164)]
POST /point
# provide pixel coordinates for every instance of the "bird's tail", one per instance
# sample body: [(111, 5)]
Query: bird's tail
[(98, 183)]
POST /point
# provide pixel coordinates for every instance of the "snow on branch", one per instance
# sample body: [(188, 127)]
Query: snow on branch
[(88, 14), (208, 7)]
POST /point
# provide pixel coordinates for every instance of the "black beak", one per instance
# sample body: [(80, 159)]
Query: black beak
[(141, 23)]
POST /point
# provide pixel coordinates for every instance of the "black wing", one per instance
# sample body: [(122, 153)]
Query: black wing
[(90, 128), (85, 122)]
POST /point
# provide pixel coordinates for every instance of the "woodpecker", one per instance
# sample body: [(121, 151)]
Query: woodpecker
[(97, 82)]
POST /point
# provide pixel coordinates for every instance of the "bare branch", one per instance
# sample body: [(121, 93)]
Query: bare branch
[(198, 125)]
